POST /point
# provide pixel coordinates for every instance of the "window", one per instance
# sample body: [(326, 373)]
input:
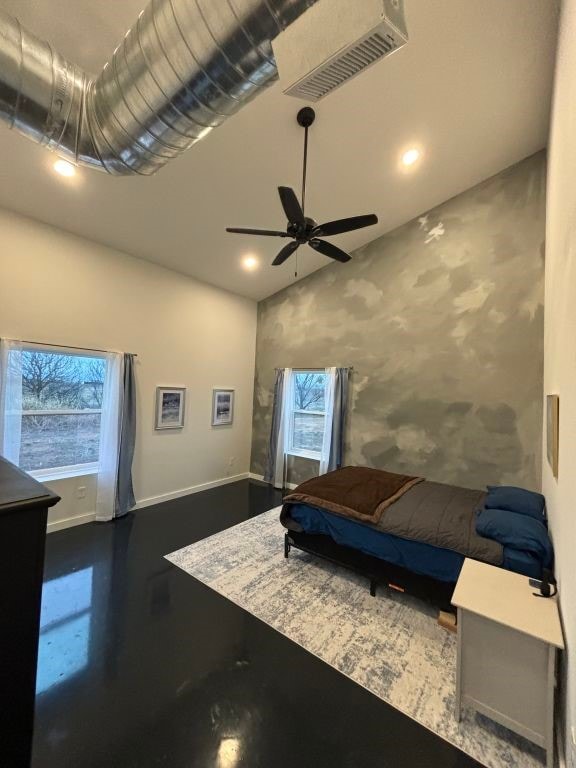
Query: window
[(307, 413), (53, 412)]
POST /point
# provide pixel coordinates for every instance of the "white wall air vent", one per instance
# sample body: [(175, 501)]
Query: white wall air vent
[(334, 41)]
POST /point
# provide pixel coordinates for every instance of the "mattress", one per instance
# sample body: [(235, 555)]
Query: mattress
[(415, 556)]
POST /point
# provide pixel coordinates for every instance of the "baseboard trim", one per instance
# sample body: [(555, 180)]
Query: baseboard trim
[(151, 500), (254, 476), (70, 522), (90, 517)]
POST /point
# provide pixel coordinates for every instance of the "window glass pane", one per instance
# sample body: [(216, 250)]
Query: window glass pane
[(309, 388), (61, 403), (61, 440), (54, 381), (308, 431)]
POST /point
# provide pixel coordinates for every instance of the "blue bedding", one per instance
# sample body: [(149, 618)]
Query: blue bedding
[(415, 556), (522, 532)]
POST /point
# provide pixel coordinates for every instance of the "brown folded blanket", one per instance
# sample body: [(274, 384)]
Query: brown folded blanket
[(357, 492)]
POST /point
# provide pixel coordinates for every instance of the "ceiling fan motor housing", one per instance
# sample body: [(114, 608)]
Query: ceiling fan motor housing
[(335, 40), (306, 117), (302, 233)]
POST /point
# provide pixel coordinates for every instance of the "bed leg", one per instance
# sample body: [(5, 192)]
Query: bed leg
[(286, 545), (373, 587)]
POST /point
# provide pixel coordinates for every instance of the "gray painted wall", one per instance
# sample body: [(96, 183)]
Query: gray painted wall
[(442, 320)]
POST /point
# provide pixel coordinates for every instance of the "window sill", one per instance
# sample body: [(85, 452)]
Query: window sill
[(304, 454), (61, 473)]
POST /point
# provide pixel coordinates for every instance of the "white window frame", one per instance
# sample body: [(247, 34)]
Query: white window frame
[(61, 473), (73, 470), (304, 453)]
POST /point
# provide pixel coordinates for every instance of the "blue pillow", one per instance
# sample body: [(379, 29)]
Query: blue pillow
[(520, 532), (517, 500)]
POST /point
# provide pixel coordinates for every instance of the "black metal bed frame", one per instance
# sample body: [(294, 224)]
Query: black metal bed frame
[(377, 571)]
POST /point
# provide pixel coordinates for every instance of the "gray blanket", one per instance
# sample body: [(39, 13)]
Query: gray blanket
[(444, 516), (437, 514)]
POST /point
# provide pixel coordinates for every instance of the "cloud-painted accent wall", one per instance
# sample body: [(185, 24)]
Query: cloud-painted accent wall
[(442, 320)]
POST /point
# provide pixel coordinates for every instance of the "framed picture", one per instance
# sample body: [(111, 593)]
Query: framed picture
[(170, 407), (222, 407), (552, 422)]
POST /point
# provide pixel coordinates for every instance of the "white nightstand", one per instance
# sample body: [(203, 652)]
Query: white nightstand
[(507, 643)]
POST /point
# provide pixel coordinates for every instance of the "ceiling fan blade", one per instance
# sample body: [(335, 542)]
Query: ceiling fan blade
[(291, 205), (285, 253), (268, 232), (329, 250), (344, 225)]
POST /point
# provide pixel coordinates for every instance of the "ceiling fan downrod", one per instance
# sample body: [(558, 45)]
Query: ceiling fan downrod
[(305, 118)]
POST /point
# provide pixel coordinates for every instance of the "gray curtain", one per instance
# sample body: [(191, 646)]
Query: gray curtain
[(124, 490), (270, 473), (339, 416)]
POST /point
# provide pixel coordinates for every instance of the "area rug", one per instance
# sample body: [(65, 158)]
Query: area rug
[(390, 644)]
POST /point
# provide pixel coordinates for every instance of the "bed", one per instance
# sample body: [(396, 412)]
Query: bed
[(418, 543)]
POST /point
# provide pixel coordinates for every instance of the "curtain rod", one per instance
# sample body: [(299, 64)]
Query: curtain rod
[(66, 346), (350, 368)]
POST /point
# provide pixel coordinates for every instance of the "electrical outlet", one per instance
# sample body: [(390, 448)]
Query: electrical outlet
[(81, 492)]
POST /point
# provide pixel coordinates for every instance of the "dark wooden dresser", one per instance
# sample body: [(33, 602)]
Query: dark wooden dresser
[(24, 507)]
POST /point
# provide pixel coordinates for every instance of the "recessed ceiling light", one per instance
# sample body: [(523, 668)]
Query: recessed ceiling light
[(64, 168), (410, 157), (250, 263)]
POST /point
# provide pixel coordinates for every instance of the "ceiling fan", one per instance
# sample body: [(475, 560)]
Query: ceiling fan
[(302, 229)]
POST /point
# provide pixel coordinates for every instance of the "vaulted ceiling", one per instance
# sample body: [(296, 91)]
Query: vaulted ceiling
[(472, 89)]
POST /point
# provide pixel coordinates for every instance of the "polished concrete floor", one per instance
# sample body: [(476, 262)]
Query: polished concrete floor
[(141, 665)]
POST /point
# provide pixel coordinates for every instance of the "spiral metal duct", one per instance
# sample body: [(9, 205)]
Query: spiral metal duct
[(181, 70)]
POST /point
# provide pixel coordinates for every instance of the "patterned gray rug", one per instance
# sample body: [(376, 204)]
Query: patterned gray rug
[(390, 644)]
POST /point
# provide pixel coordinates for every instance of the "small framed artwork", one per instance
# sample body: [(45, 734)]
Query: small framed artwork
[(170, 403), (222, 407), (552, 422)]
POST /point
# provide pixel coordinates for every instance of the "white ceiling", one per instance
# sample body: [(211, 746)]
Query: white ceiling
[(472, 88)]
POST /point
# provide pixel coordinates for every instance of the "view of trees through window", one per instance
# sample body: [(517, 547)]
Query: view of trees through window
[(309, 407), (61, 409)]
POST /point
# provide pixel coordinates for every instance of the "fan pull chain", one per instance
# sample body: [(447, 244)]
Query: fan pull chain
[(296, 268)]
